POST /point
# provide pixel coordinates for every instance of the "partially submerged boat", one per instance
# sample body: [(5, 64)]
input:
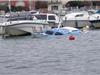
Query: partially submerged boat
[(62, 31)]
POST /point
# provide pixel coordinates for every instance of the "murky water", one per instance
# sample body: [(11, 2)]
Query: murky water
[(51, 56)]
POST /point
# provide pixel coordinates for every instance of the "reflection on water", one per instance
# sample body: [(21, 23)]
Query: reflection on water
[(51, 56)]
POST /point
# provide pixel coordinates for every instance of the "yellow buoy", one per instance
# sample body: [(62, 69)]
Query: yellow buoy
[(85, 28)]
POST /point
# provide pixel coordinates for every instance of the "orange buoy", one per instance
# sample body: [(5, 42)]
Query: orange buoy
[(71, 37)]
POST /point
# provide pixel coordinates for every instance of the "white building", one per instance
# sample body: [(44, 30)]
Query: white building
[(56, 5)]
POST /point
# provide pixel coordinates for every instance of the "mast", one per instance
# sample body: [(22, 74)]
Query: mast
[(30, 7), (9, 5)]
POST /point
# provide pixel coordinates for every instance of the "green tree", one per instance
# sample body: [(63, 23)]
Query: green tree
[(76, 3), (19, 8), (4, 7), (41, 4)]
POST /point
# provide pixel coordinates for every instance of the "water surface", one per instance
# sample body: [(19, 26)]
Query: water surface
[(51, 56)]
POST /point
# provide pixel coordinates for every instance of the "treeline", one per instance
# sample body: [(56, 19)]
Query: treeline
[(78, 3), (83, 3), (17, 8)]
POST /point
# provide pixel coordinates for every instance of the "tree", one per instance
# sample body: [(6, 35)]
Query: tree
[(41, 4), (4, 7), (19, 8), (77, 3)]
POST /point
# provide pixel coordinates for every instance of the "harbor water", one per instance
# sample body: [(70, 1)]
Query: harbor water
[(25, 55)]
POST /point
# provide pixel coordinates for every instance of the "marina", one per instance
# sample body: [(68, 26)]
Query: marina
[(37, 23), (49, 37)]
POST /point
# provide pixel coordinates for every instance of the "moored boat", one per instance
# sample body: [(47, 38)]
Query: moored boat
[(95, 20), (76, 19), (23, 27)]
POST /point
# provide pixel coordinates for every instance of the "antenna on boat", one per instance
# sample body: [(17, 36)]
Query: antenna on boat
[(60, 20), (59, 25)]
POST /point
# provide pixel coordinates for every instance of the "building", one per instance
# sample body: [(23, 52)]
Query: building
[(27, 4), (49, 5), (61, 4), (56, 4)]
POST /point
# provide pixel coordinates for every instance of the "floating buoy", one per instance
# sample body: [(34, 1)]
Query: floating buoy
[(71, 37), (86, 28)]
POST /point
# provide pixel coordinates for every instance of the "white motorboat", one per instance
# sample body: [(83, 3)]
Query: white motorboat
[(76, 19), (79, 15), (19, 26), (94, 19), (23, 26)]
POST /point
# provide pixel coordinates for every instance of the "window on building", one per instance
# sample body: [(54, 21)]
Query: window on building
[(54, 7), (41, 17)]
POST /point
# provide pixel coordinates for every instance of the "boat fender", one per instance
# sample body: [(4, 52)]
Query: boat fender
[(71, 37)]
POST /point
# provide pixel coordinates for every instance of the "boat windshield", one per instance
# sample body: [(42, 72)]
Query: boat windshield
[(41, 17), (49, 32), (20, 18)]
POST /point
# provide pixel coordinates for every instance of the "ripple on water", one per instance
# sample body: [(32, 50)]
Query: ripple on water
[(51, 56)]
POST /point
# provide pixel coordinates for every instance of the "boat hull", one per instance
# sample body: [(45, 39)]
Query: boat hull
[(76, 23), (15, 32), (24, 27), (95, 23)]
